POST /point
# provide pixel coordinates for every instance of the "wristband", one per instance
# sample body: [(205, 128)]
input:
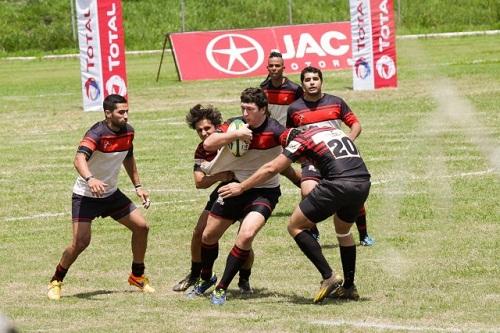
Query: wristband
[(137, 186), (88, 178)]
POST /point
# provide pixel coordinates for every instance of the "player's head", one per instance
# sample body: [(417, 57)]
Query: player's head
[(312, 81), (115, 111), (254, 106), (288, 135), (275, 65), (203, 119), (310, 69)]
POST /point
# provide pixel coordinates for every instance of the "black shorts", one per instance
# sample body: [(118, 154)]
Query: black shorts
[(344, 197), (85, 209), (215, 195), (261, 200), (309, 172)]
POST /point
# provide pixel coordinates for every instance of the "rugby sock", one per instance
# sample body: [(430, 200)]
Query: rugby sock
[(195, 269), (361, 224), (312, 250), (138, 269), (348, 258), (208, 255), (245, 273), (235, 260), (59, 274)]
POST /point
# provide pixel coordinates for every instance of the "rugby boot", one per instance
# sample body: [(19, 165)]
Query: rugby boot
[(185, 283), (54, 290), (345, 293), (327, 286), (201, 286), (244, 286), (141, 282), (218, 297)]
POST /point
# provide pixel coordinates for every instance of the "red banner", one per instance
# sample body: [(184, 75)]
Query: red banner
[(102, 51), (240, 53), (373, 44)]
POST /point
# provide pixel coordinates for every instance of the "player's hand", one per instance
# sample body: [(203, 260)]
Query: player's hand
[(97, 187), (244, 133), (144, 195), (230, 190)]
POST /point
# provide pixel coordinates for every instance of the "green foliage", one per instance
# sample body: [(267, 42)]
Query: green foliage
[(41, 26)]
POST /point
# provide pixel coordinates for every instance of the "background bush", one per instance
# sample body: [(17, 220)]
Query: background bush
[(44, 26)]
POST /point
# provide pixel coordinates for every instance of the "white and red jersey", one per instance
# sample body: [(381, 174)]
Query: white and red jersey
[(279, 98), (201, 156), (105, 151), (264, 147), (325, 112)]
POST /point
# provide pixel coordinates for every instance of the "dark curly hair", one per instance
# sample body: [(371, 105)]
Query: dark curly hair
[(255, 95), (200, 112)]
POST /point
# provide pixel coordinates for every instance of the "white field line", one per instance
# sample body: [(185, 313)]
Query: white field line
[(397, 327), (420, 36), (43, 215), (284, 191)]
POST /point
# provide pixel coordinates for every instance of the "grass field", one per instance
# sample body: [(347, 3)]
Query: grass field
[(432, 146)]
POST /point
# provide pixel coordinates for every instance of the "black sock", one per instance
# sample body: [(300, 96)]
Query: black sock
[(361, 224), (312, 250), (348, 258), (235, 260), (138, 269), (209, 254), (195, 269), (59, 274), (245, 273)]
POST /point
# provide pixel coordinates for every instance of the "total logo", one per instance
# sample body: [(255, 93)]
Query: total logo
[(92, 89), (234, 54), (362, 68), (116, 85), (386, 67)]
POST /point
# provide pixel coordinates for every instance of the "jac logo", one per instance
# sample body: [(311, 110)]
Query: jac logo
[(234, 54)]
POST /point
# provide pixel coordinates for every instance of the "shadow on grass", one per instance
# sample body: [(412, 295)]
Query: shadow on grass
[(277, 297), (90, 295)]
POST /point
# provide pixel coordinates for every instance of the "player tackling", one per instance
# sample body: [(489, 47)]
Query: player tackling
[(342, 191)]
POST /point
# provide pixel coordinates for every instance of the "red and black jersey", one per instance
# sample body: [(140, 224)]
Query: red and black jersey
[(279, 98), (330, 150), (201, 155), (325, 112)]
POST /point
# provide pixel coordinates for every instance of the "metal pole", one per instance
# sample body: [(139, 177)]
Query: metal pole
[(183, 17), (290, 20), (73, 24), (161, 60)]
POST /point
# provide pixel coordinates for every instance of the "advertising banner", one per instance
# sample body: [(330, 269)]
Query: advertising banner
[(240, 53), (102, 51), (373, 44)]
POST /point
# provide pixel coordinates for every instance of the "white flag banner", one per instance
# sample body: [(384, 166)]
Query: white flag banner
[(102, 51), (373, 44)]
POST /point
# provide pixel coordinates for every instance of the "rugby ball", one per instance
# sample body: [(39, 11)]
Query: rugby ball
[(237, 147)]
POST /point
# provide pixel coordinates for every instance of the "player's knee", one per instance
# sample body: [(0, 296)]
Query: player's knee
[(81, 244), (198, 232)]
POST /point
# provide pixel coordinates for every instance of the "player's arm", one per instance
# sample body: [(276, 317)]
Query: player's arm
[(97, 186), (201, 180), (355, 130), (218, 140), (131, 168), (264, 173)]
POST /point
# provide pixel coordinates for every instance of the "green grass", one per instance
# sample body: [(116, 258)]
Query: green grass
[(37, 27), (431, 146)]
